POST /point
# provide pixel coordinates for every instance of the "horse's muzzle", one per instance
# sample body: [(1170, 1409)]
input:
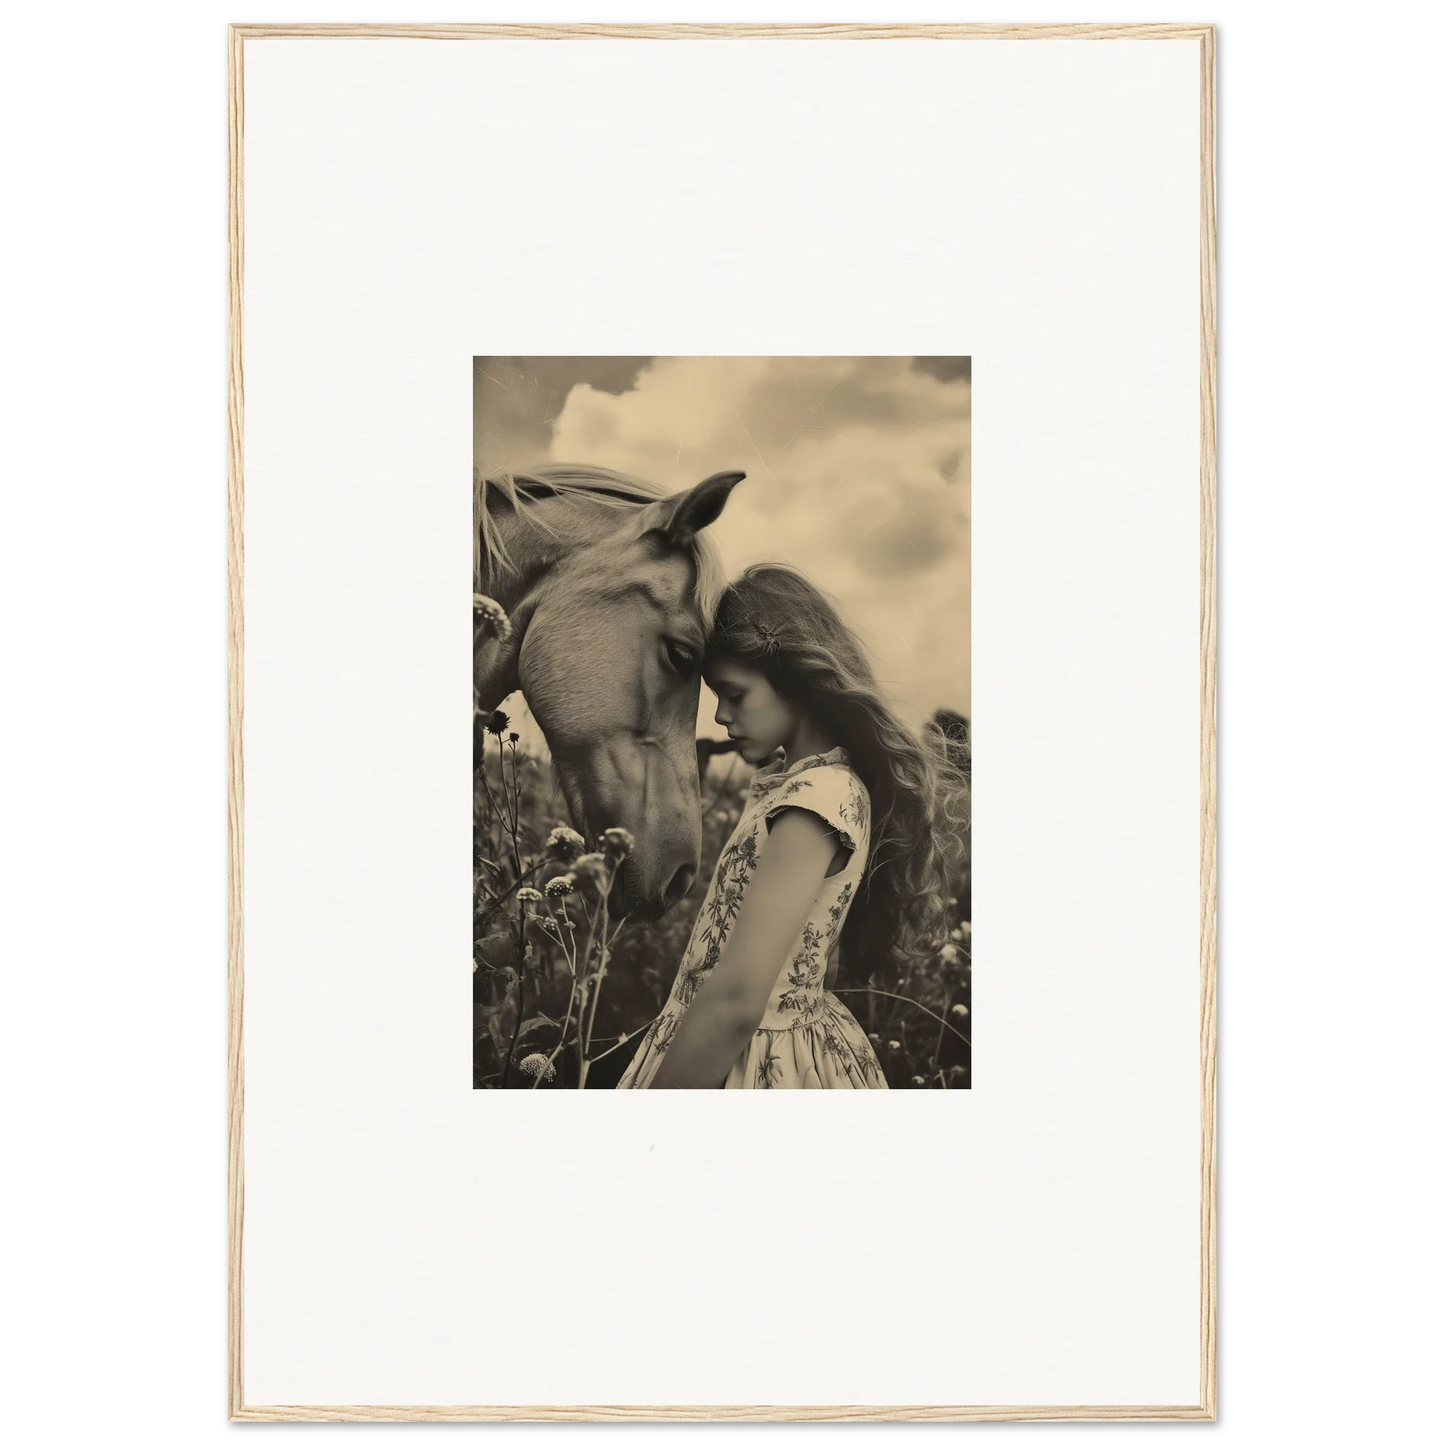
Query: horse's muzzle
[(629, 898)]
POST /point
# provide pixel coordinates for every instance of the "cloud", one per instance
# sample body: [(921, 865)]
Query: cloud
[(515, 398), (946, 368), (858, 473)]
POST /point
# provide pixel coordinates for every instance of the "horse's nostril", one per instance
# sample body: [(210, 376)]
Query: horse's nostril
[(681, 882)]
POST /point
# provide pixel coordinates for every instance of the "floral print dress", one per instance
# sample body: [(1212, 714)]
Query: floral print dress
[(807, 1038)]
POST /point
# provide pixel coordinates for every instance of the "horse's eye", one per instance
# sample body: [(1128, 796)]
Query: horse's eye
[(679, 658)]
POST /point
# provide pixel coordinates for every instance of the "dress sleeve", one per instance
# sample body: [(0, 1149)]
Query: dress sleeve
[(834, 796)]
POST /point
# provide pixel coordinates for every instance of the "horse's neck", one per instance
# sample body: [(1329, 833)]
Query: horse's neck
[(534, 551)]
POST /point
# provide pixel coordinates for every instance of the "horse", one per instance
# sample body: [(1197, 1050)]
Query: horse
[(610, 585), (710, 748)]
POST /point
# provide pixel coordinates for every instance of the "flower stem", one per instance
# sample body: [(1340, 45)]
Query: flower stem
[(625, 1038), (883, 993), (501, 898), (487, 789), (604, 956), (517, 1026), (509, 797), (603, 960), (938, 1047), (562, 1038)]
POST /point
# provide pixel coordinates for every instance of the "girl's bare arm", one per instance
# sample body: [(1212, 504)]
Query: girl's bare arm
[(731, 1002)]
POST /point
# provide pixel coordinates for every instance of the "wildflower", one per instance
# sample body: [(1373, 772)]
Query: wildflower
[(498, 723), (565, 844), (874, 1039), (957, 935), (917, 1081), (490, 618), (894, 1046), (514, 738), (590, 870), (560, 887), (957, 1075), (953, 903), (965, 932), (538, 1066), (617, 842), (948, 954), (528, 895), (960, 1010)]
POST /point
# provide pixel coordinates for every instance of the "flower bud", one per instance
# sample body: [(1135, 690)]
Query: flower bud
[(490, 618), (565, 844), (590, 872)]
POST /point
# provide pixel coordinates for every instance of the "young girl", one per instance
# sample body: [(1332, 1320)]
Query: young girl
[(846, 846)]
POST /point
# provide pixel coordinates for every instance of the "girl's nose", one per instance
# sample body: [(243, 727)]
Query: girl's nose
[(718, 716)]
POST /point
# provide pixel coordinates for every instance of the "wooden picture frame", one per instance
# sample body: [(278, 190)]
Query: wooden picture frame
[(1204, 1406)]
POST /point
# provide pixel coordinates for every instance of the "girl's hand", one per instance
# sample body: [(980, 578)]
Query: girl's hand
[(732, 1000)]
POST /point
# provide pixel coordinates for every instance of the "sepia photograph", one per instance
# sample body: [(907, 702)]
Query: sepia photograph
[(722, 748)]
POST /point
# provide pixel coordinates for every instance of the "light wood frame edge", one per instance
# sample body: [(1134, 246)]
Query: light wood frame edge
[(1208, 1407)]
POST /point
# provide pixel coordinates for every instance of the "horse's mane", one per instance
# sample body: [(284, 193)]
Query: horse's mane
[(598, 485)]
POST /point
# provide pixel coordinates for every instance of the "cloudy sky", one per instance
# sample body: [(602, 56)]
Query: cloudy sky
[(858, 473)]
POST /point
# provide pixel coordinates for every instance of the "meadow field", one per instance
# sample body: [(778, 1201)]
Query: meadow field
[(562, 993)]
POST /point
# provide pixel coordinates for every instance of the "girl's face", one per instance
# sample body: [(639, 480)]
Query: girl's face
[(749, 708)]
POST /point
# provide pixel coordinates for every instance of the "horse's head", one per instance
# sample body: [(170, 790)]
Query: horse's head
[(610, 665)]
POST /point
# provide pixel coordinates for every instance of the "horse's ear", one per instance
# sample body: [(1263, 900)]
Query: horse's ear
[(683, 515)]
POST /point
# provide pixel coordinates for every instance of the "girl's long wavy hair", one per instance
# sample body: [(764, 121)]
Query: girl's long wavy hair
[(773, 620)]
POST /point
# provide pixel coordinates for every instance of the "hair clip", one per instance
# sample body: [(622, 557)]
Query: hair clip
[(770, 638)]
